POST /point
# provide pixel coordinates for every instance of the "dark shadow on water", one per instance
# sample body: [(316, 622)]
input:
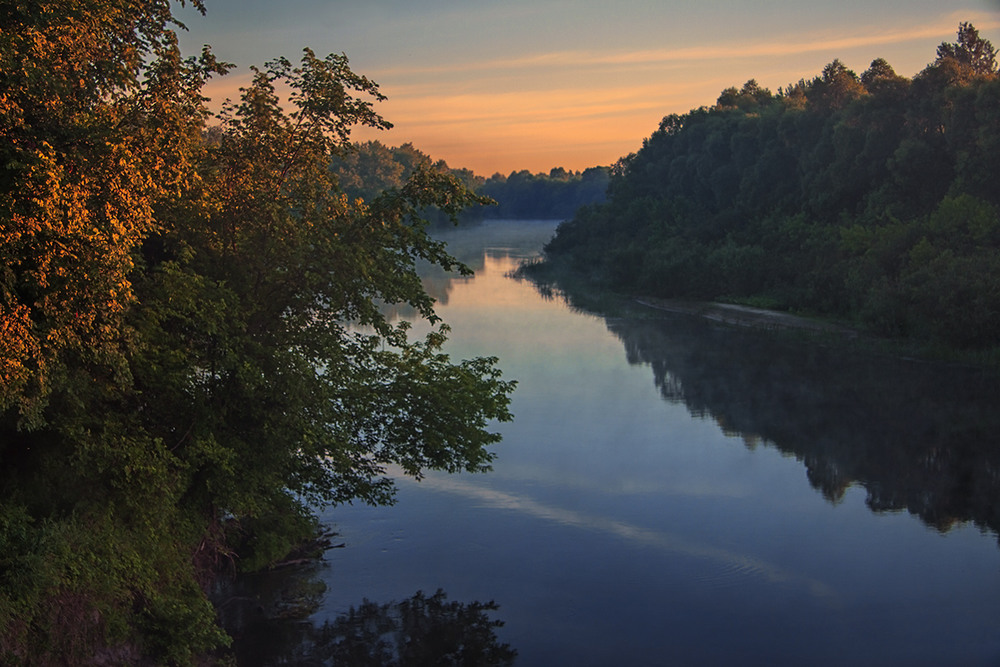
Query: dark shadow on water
[(917, 436), (268, 616)]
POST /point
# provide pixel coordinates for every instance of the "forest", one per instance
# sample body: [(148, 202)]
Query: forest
[(195, 350), (870, 199), (194, 357), (371, 167)]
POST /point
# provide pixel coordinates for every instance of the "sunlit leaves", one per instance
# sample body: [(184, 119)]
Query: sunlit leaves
[(91, 147), (181, 311)]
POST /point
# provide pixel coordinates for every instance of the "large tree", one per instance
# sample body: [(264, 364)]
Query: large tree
[(971, 52), (192, 339)]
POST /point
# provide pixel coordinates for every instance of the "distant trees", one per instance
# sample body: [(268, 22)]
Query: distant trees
[(750, 95), (371, 167), (556, 195), (869, 197), (836, 87), (367, 169)]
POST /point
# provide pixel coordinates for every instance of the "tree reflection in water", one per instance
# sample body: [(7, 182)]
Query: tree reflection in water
[(419, 631), (917, 436), (268, 617), (922, 437)]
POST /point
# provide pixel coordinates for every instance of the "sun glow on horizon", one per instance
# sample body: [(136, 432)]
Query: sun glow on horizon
[(550, 106)]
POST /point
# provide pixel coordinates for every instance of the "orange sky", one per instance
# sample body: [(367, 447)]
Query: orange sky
[(536, 85)]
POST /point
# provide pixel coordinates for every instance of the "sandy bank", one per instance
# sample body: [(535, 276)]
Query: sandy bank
[(745, 316)]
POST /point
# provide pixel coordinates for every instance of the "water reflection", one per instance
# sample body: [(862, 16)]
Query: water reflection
[(472, 245), (618, 529), (916, 436), (268, 617), (733, 563), (418, 631)]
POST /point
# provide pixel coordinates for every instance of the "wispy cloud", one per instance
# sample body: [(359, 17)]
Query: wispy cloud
[(815, 43), (579, 107), (735, 564), (506, 107)]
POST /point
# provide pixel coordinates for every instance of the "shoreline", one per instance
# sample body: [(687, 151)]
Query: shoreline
[(746, 316)]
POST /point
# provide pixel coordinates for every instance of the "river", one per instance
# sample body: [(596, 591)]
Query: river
[(677, 491)]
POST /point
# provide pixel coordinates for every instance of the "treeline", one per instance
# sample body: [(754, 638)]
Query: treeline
[(367, 169), (871, 198), (372, 167), (552, 196)]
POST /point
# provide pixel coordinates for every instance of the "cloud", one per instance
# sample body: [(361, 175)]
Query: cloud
[(579, 107), (516, 107), (735, 565), (816, 43)]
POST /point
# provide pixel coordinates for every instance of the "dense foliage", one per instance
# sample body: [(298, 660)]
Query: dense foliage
[(372, 167), (872, 198), (553, 196), (369, 168), (193, 353)]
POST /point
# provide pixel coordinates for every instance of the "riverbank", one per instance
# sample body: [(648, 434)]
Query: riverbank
[(588, 294), (746, 316)]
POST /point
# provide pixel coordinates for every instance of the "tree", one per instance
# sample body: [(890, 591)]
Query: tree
[(750, 96), (971, 52), (100, 121), (196, 341), (880, 77), (837, 86)]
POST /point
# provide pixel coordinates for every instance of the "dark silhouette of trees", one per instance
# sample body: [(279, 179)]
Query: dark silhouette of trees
[(556, 195), (970, 51), (371, 167), (867, 198), (193, 354), (270, 625)]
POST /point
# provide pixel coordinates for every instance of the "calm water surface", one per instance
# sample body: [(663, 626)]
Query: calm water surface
[(677, 492)]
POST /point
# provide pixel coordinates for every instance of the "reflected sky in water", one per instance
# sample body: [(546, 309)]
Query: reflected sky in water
[(732, 523)]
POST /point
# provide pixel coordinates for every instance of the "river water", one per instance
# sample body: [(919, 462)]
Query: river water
[(676, 491)]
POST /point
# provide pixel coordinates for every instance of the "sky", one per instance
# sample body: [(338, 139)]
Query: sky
[(505, 85)]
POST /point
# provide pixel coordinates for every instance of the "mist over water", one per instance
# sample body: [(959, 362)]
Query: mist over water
[(675, 491)]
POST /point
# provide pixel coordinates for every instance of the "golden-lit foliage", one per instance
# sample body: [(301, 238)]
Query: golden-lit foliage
[(90, 148), (177, 361)]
